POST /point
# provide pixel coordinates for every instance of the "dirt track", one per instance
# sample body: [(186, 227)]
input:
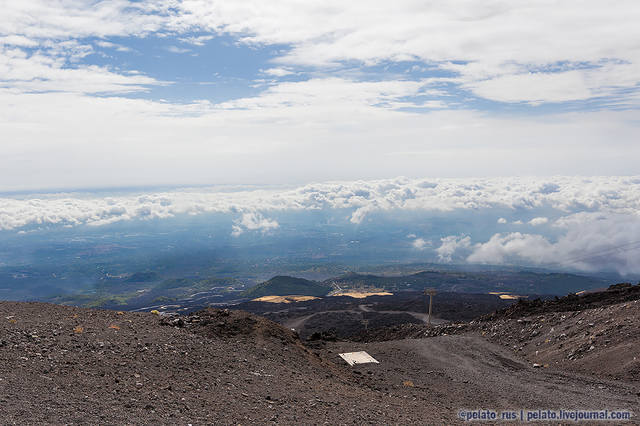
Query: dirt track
[(298, 323), (76, 366), (467, 371)]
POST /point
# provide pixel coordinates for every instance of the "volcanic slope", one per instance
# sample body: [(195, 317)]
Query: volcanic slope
[(595, 333), (71, 365), (284, 286), (590, 333)]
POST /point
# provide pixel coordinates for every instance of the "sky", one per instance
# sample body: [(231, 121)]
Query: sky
[(523, 110), (169, 92)]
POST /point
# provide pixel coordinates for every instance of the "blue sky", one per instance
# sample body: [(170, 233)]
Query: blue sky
[(286, 95), (173, 92), (200, 66), (218, 70)]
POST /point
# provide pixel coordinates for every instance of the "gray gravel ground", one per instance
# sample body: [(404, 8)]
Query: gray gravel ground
[(65, 365)]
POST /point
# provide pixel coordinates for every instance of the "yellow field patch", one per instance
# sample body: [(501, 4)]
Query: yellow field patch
[(506, 296), (363, 294), (284, 299)]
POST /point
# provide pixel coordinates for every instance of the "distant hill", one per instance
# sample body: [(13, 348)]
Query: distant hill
[(125, 295), (284, 285), (524, 282)]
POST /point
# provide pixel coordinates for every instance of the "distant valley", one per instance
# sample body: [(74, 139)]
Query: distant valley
[(147, 291)]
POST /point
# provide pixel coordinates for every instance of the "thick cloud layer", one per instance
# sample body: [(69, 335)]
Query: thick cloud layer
[(566, 195), (587, 223), (590, 242)]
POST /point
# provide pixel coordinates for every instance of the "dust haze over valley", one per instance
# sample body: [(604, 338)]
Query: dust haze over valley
[(238, 212)]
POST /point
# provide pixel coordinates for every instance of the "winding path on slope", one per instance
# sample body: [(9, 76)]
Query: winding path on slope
[(298, 322)]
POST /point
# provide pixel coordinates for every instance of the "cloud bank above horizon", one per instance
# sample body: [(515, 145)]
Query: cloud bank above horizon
[(580, 223), (120, 93)]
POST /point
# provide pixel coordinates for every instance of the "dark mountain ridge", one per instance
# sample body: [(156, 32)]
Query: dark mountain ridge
[(524, 282), (282, 285)]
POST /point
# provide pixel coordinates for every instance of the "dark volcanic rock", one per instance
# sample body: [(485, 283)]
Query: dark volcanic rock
[(344, 325), (616, 293), (225, 323)]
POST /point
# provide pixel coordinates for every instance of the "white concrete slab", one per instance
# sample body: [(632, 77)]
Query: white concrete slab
[(353, 358)]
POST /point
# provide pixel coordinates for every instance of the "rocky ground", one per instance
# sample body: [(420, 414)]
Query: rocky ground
[(66, 365), (604, 341), (77, 366), (467, 371), (597, 333)]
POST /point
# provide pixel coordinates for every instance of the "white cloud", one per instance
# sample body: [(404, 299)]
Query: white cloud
[(278, 72), (109, 45), (54, 30), (420, 243), (536, 221), (17, 41), (575, 195), (435, 31), (333, 92), (178, 50), (197, 40), (361, 213), (591, 242), (253, 221), (502, 221), (44, 71), (451, 246), (330, 125), (503, 247), (60, 20), (574, 85), (514, 51)]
